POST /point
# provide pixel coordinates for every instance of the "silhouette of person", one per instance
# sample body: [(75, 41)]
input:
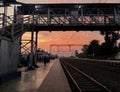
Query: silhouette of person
[(26, 63), (45, 60)]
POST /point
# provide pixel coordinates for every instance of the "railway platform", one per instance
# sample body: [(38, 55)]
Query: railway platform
[(49, 78), (29, 80), (55, 81)]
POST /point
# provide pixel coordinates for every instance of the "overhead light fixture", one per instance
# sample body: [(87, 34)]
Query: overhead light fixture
[(1, 3), (79, 6)]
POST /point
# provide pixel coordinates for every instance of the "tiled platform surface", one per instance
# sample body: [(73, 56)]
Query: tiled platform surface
[(29, 81), (55, 81), (49, 78)]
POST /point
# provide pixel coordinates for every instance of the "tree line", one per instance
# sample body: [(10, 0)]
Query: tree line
[(106, 50)]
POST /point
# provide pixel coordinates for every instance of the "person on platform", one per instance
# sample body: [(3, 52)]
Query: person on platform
[(45, 60), (26, 63)]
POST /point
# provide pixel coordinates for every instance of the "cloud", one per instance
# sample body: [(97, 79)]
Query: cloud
[(45, 38)]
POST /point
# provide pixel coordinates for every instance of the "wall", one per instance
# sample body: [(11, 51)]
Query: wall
[(9, 56)]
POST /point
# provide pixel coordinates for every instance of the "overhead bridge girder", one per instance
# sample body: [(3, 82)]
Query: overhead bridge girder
[(87, 8), (76, 28), (76, 19), (8, 2)]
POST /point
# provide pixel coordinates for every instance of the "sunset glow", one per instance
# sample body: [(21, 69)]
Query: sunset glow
[(46, 38)]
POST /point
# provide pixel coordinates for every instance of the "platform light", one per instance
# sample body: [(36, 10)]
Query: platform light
[(1, 3), (79, 6), (16, 5)]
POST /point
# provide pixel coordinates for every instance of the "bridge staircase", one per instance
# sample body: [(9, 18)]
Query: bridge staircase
[(12, 28)]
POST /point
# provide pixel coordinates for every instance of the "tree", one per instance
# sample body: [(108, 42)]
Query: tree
[(84, 50), (111, 37), (109, 48), (93, 48), (76, 53)]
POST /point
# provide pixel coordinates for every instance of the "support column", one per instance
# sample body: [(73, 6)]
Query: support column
[(82, 13), (36, 39), (58, 48), (14, 21), (49, 19), (32, 48), (4, 18), (50, 49), (36, 47), (69, 47)]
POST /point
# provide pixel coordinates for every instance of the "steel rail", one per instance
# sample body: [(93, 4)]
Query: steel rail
[(92, 79), (73, 80), (85, 75)]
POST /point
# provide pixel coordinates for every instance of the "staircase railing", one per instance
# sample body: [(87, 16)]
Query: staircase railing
[(13, 28)]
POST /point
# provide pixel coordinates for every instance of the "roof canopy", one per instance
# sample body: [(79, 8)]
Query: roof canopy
[(69, 1)]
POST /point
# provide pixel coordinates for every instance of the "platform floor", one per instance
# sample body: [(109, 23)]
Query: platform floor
[(29, 81), (44, 79), (55, 81)]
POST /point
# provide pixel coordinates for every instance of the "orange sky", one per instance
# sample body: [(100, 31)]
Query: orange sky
[(68, 37)]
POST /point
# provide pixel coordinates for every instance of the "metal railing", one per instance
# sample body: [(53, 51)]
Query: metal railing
[(76, 17), (56, 17), (11, 27)]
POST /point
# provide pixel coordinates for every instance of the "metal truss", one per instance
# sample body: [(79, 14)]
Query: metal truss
[(80, 17), (63, 45), (13, 28), (26, 47), (51, 19), (57, 18)]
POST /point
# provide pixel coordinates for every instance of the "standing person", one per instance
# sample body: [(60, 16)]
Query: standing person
[(45, 60), (27, 61), (48, 59), (22, 60)]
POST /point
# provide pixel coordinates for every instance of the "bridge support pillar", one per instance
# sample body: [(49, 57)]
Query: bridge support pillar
[(58, 48), (36, 47), (32, 51), (4, 19), (50, 49), (48, 20), (32, 60)]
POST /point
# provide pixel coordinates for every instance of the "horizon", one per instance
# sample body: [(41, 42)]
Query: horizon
[(46, 38)]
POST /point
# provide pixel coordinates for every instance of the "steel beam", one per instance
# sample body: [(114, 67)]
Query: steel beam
[(63, 45), (32, 45), (36, 47)]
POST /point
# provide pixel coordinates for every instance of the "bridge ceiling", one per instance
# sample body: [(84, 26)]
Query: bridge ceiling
[(68, 1), (8, 2), (59, 8)]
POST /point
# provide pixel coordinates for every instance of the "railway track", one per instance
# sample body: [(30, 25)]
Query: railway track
[(81, 82)]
